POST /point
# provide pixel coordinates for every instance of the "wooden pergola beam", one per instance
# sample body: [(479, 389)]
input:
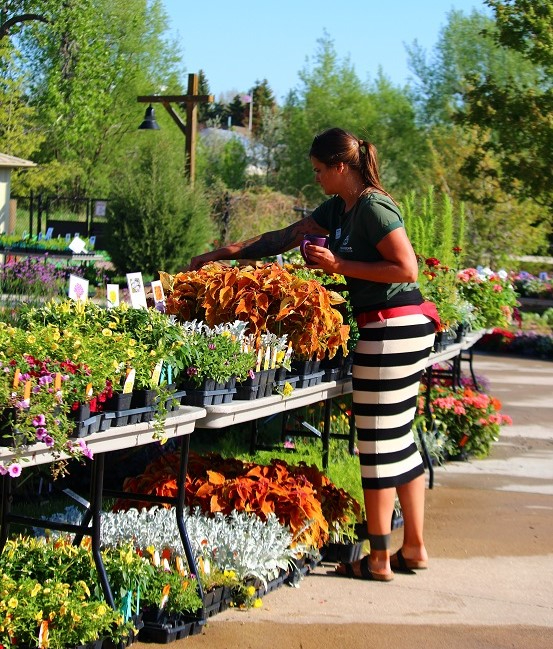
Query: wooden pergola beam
[(188, 128)]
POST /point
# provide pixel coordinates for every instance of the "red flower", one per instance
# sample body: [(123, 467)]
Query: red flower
[(432, 261)]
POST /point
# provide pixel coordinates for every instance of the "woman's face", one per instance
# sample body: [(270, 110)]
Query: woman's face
[(327, 177)]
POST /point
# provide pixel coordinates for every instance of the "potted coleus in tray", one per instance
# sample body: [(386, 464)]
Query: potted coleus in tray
[(269, 299)]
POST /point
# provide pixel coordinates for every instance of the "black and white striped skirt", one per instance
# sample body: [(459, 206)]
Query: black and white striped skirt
[(388, 362)]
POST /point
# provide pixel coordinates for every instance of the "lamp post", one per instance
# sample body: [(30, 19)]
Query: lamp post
[(188, 128)]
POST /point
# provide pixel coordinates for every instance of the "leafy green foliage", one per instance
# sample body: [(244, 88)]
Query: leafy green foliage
[(513, 117), (157, 221)]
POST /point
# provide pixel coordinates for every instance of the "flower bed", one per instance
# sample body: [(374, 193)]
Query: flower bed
[(463, 422)]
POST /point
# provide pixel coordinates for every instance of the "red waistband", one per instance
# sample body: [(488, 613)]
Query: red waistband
[(426, 308)]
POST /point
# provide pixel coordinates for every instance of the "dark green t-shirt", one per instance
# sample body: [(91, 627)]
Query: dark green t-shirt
[(354, 235)]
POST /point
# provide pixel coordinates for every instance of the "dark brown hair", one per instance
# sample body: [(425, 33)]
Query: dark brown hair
[(336, 145)]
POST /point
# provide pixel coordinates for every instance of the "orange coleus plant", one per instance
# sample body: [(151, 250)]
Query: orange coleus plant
[(269, 298), (298, 496)]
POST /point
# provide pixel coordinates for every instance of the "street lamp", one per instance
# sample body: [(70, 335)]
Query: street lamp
[(149, 123), (188, 128)]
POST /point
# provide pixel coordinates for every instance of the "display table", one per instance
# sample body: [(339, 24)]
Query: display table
[(237, 412), (179, 424)]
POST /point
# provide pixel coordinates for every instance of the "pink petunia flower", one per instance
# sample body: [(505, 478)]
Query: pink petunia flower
[(14, 470)]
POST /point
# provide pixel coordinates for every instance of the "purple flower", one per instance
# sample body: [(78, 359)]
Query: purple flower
[(192, 371), (46, 379), (212, 346), (3, 470), (48, 440), (14, 470), (87, 452), (251, 374), (41, 433), (39, 420)]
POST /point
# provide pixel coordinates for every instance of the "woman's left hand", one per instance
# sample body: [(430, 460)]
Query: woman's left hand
[(323, 258)]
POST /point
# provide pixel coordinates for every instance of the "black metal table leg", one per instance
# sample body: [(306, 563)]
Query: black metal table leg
[(6, 505), (425, 452), (181, 483), (351, 440), (326, 432), (97, 489)]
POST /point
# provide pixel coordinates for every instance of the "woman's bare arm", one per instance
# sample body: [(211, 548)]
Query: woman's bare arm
[(399, 263), (263, 245)]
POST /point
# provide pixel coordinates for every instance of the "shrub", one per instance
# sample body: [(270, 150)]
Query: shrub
[(156, 219)]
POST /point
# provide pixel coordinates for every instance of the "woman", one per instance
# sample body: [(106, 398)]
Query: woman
[(369, 246)]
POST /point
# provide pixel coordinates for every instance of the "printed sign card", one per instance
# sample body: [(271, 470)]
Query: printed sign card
[(159, 295), (78, 288), (136, 290), (49, 233), (112, 295), (77, 245)]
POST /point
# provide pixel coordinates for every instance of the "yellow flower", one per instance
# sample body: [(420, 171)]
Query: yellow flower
[(31, 339), (12, 603), (112, 325), (56, 334), (132, 342), (77, 342), (131, 353), (258, 603), (36, 590), (102, 610), (250, 591), (84, 586), (107, 332), (287, 389)]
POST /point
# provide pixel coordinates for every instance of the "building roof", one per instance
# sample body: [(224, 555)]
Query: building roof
[(11, 162)]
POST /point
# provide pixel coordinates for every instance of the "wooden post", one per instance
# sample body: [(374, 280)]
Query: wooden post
[(191, 126), (189, 129)]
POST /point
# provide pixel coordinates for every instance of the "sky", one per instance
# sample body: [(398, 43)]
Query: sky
[(239, 43)]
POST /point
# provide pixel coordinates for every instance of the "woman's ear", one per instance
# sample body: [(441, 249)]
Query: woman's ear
[(340, 167)]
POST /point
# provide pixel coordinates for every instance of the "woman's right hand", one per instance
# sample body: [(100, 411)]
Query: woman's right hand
[(205, 258)]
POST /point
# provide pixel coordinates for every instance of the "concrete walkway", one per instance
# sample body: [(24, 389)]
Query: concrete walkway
[(489, 534)]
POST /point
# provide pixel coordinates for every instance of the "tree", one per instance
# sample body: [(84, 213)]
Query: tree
[(514, 118), (15, 13), (263, 99), (497, 222), (86, 67), (156, 221), (222, 157), (330, 94), (236, 111), (268, 141)]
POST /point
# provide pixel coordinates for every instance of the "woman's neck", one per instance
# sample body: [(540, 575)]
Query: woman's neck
[(353, 188)]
